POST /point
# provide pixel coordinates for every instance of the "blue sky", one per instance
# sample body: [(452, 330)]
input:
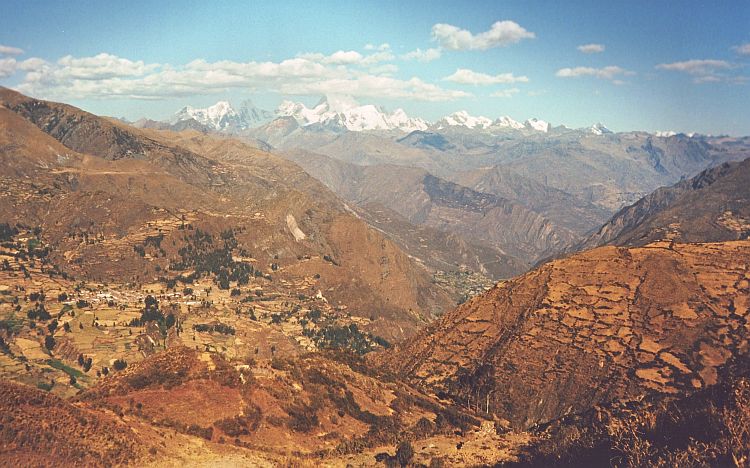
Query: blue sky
[(681, 66)]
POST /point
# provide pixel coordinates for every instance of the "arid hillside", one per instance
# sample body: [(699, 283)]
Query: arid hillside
[(608, 324), (504, 236), (100, 191), (712, 206)]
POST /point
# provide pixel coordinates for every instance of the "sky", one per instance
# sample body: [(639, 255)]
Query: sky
[(633, 65)]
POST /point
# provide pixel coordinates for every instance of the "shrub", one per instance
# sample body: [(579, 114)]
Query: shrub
[(49, 342), (119, 364), (302, 418), (404, 453)]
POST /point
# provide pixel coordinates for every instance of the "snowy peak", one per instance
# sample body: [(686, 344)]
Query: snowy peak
[(536, 124), (400, 120), (463, 119), (223, 117), (507, 122), (345, 112), (599, 129)]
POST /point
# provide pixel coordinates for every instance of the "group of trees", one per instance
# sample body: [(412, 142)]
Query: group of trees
[(345, 337), (214, 327), (202, 255), (152, 313)]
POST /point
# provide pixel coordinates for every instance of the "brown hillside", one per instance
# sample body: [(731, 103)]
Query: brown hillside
[(712, 206), (603, 325), (98, 189), (40, 429)]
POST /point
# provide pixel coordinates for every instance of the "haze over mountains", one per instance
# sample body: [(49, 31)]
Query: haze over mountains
[(517, 192)]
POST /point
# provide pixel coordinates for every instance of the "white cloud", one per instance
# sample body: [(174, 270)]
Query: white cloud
[(8, 50), (344, 58), (103, 66), (696, 67), (702, 71), (501, 34), (7, 67), (742, 49), (384, 69), (591, 48), (466, 76), (376, 87), (505, 93), (381, 47), (108, 76), (611, 73), (427, 55), (350, 57), (33, 63), (377, 57)]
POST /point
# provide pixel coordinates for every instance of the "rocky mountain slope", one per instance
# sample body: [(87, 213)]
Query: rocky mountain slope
[(98, 188), (572, 179), (712, 206), (425, 200), (601, 326)]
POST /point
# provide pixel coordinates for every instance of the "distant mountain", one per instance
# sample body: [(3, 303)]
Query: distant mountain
[(712, 206), (538, 125), (599, 129), (506, 121), (225, 118), (462, 119), (503, 228), (344, 113)]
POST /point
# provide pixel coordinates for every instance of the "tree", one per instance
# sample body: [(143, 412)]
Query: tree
[(170, 320), (120, 364), (49, 342), (404, 453)]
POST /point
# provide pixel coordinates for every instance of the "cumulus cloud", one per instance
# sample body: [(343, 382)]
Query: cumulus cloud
[(611, 73), (742, 49), (427, 55), (8, 50), (466, 76), (501, 34), (350, 57), (591, 48), (7, 67), (102, 66), (702, 71), (505, 93), (108, 76), (376, 87)]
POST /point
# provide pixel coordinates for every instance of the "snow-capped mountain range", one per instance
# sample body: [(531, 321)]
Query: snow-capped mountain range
[(223, 117), (334, 111), (343, 113)]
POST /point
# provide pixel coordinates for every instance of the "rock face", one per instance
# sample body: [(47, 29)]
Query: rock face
[(604, 325), (712, 206)]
